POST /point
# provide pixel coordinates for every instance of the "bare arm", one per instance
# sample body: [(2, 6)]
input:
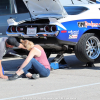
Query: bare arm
[(1, 74), (32, 53), (1, 69), (21, 46)]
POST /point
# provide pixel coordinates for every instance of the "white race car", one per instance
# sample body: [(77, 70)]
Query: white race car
[(54, 27)]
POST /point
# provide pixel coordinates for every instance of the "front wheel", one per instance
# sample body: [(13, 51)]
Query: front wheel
[(87, 49)]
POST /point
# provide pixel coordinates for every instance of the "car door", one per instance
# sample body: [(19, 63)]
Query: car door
[(6, 11)]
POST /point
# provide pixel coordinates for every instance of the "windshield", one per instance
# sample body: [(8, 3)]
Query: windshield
[(74, 10)]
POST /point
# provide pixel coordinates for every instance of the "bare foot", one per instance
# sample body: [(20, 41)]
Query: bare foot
[(4, 77)]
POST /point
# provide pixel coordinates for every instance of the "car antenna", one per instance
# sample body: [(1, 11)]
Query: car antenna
[(29, 11), (72, 2)]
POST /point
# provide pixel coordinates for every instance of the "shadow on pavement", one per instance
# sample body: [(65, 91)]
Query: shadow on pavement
[(73, 63)]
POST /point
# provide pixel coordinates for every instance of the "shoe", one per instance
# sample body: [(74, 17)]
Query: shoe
[(23, 76), (13, 77), (35, 76)]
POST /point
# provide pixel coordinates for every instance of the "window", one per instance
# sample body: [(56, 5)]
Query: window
[(21, 8), (74, 10), (5, 7)]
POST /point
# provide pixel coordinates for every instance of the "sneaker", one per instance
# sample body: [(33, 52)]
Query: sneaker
[(13, 77), (35, 76), (23, 76)]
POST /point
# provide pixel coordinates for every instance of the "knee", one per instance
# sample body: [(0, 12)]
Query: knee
[(45, 75)]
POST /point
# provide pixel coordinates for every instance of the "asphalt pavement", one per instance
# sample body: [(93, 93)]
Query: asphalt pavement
[(76, 82)]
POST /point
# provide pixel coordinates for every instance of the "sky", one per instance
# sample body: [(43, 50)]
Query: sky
[(68, 2)]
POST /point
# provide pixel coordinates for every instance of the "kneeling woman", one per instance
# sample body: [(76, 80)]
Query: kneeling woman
[(36, 61)]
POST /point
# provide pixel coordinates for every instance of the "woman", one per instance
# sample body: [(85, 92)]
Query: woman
[(36, 61)]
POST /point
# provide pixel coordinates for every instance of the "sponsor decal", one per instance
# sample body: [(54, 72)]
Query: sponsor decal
[(92, 24), (81, 24), (73, 34), (86, 24)]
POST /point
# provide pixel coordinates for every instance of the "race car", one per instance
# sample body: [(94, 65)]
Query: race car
[(55, 27)]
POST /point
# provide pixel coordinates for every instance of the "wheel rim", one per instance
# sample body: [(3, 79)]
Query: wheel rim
[(92, 47)]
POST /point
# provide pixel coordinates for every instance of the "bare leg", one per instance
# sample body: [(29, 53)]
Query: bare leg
[(19, 72), (32, 76), (29, 75)]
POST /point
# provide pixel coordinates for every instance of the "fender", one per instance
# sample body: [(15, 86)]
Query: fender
[(76, 28)]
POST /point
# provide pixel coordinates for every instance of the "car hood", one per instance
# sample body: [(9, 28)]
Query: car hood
[(45, 8)]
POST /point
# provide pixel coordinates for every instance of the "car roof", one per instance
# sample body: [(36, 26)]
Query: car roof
[(90, 6)]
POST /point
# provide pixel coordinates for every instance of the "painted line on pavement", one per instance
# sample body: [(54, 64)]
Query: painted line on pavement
[(51, 91)]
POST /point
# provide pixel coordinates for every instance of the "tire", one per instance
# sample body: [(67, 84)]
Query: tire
[(87, 48)]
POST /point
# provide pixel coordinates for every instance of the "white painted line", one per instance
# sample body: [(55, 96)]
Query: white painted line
[(51, 91)]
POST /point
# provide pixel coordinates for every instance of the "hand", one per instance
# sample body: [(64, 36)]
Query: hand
[(4, 77)]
